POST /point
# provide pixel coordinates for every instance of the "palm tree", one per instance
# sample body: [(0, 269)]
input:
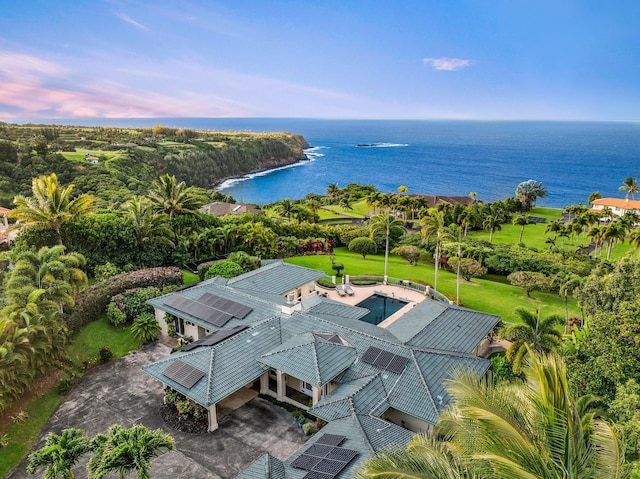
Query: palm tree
[(528, 192), (492, 222), (387, 224), (286, 208), (125, 450), (333, 192), (59, 454), (531, 333), (634, 238), (172, 198), (433, 227), (534, 430), (522, 221), (596, 234), (614, 233), (455, 231), (149, 227), (51, 206), (424, 457), (554, 227), (568, 285), (59, 275), (630, 185)]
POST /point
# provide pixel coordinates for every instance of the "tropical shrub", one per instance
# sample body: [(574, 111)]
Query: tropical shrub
[(133, 302), (409, 253), (225, 269), (246, 261), (115, 315), (145, 328), (92, 301), (106, 271), (105, 354), (363, 246), (469, 268)]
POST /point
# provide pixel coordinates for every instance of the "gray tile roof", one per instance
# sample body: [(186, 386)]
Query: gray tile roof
[(310, 358), (229, 365), (261, 309), (265, 467), (361, 396), (434, 325), (365, 434), (329, 309), (275, 278)]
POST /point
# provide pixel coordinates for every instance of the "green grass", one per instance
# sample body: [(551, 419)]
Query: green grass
[(535, 237), (86, 345), (482, 294), (80, 154), (23, 434), (189, 278)]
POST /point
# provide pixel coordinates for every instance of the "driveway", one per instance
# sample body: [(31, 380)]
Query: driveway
[(120, 393)]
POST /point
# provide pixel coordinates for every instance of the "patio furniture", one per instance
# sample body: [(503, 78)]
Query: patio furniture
[(348, 289), (340, 290)]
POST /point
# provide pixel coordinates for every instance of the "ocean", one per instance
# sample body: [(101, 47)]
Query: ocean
[(571, 159)]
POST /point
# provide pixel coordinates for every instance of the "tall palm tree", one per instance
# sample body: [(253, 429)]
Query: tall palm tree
[(173, 198), (126, 450), (532, 333), (492, 222), (522, 221), (333, 192), (614, 233), (51, 206), (630, 185), (634, 238), (286, 208), (455, 231), (387, 224), (433, 226), (149, 227), (554, 227), (59, 454), (59, 275), (373, 200), (533, 430), (568, 285)]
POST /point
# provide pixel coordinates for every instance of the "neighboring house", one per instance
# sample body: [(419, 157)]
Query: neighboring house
[(94, 160), (618, 206), (221, 209), (4, 225), (270, 329)]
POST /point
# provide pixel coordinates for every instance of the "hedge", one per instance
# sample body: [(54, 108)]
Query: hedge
[(92, 301)]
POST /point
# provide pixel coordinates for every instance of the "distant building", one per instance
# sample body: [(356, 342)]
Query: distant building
[(222, 209), (94, 160), (618, 206)]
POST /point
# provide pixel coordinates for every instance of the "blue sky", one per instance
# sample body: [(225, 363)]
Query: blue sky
[(476, 59)]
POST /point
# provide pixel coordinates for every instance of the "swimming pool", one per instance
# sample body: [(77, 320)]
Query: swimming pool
[(380, 307)]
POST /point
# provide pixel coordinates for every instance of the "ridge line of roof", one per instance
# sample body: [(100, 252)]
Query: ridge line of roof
[(368, 378), (424, 382), (210, 376), (367, 442), (316, 364)]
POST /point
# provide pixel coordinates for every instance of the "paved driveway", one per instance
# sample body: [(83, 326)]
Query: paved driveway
[(119, 392)]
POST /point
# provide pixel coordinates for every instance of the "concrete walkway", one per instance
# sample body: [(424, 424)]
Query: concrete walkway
[(120, 393)]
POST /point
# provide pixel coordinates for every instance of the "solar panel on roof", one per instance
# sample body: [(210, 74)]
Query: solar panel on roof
[(317, 475), (329, 466), (342, 454), (306, 462), (385, 359), (319, 450), (330, 439), (221, 319), (214, 338), (184, 374), (371, 354), (397, 364)]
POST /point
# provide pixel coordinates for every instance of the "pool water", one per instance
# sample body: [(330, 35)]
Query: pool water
[(380, 307)]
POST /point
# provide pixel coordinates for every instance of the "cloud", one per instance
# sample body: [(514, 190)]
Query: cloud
[(447, 64), (131, 21)]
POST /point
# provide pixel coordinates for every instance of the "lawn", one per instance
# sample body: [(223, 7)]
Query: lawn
[(535, 237), (22, 435), (80, 154), (483, 294), (85, 346), (189, 278)]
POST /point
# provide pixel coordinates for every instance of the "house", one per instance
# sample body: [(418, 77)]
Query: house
[(219, 208), (270, 329), (618, 206)]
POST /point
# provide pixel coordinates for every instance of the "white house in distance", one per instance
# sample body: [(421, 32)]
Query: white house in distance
[(618, 206)]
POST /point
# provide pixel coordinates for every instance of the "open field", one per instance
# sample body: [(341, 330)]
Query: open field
[(80, 154), (483, 294)]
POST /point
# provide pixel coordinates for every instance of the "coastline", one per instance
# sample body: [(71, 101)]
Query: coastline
[(229, 181)]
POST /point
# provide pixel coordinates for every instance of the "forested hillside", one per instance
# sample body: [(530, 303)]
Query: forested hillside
[(114, 163)]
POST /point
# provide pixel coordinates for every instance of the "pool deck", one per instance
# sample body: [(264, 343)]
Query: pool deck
[(360, 293)]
